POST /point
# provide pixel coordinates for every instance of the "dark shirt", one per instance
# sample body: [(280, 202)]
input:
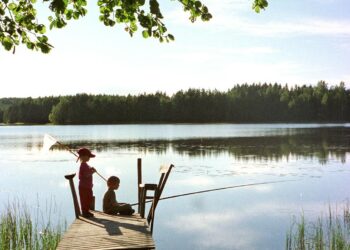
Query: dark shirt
[(109, 201), (85, 176)]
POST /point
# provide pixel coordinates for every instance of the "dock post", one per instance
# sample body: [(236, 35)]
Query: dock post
[(74, 195), (139, 181)]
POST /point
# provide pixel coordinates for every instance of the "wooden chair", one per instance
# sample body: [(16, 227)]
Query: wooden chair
[(155, 196)]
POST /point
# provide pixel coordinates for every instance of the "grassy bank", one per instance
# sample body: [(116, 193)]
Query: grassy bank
[(19, 230), (327, 232)]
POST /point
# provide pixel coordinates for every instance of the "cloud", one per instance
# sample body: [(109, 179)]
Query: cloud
[(235, 228), (34, 74), (195, 181), (305, 27), (325, 1), (204, 53), (232, 16), (220, 226)]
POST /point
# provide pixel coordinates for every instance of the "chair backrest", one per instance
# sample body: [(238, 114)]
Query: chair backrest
[(157, 189), (165, 172)]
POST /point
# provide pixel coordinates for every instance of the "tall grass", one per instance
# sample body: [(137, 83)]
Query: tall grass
[(331, 232), (19, 230)]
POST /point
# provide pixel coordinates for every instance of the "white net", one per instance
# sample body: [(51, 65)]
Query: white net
[(49, 141)]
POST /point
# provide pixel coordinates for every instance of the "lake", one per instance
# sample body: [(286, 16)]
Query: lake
[(308, 165)]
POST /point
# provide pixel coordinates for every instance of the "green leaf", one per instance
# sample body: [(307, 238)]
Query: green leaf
[(264, 3), (205, 9), (60, 23), (12, 6), (44, 48), (154, 8), (53, 24), (30, 45), (83, 12), (145, 34), (41, 29), (69, 14), (171, 37), (133, 26), (111, 23), (76, 15), (7, 43), (43, 39), (198, 4)]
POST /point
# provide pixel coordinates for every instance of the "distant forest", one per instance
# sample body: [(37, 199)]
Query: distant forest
[(255, 103)]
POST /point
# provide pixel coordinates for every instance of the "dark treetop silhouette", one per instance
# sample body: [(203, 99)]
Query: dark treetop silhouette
[(243, 103)]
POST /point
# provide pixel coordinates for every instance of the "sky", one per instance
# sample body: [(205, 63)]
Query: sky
[(292, 42)]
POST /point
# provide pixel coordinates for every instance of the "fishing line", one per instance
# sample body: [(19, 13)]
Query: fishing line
[(217, 189)]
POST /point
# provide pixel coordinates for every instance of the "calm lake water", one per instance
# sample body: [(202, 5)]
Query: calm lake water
[(309, 164)]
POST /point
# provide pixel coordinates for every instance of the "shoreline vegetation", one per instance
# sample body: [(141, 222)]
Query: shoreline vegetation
[(331, 231), (19, 230), (256, 103)]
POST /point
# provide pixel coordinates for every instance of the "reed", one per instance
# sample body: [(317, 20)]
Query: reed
[(331, 232), (19, 230)]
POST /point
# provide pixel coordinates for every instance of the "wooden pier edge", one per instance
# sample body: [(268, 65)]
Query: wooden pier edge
[(106, 232)]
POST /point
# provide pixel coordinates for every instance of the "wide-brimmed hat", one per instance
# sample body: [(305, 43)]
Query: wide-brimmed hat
[(86, 152)]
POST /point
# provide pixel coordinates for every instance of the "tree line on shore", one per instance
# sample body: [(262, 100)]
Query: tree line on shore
[(252, 103)]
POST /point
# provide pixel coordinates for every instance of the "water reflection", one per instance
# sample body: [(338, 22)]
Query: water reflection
[(322, 144), (206, 157), (245, 142)]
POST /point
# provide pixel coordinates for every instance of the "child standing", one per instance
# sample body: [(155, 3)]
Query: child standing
[(110, 204), (85, 181)]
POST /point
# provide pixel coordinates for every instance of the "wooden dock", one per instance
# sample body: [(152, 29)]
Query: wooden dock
[(107, 232)]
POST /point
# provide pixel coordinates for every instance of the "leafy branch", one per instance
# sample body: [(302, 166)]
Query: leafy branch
[(259, 5), (19, 24)]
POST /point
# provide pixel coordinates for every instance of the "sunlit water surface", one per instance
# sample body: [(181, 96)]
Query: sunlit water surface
[(308, 163)]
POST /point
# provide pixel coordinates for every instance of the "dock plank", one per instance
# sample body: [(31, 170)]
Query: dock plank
[(107, 232)]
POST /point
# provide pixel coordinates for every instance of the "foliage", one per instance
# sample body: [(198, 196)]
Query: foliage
[(331, 232), (18, 230), (259, 5), (27, 110), (243, 103), (19, 20)]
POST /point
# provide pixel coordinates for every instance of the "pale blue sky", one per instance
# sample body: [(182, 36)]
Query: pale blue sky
[(294, 42)]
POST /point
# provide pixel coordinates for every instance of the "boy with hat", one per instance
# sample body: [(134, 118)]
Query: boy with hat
[(85, 181)]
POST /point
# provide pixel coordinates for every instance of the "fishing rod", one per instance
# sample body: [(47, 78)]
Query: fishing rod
[(49, 141), (217, 189)]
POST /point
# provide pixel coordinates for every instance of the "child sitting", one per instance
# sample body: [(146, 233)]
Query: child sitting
[(110, 204)]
